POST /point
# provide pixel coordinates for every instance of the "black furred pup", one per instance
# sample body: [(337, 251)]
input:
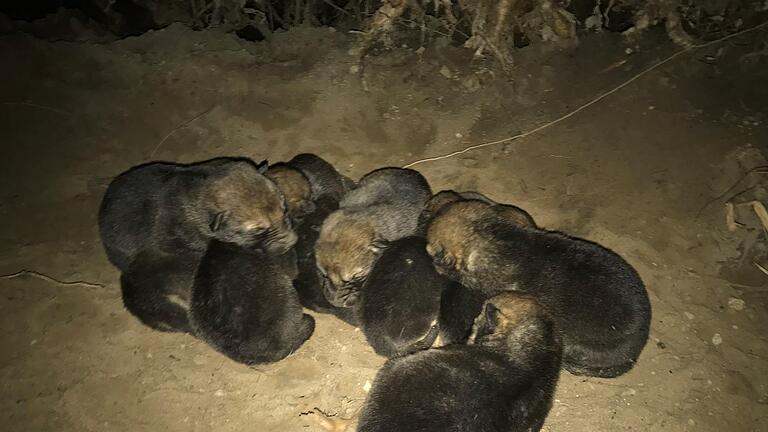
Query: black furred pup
[(399, 302), (244, 304)]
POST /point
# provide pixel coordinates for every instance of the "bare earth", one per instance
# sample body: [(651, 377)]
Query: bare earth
[(630, 172)]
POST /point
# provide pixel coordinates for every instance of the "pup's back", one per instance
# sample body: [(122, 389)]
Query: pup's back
[(391, 198), (129, 207), (156, 288), (244, 304), (400, 300), (323, 177)]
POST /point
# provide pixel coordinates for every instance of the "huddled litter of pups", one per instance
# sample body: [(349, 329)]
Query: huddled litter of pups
[(476, 307)]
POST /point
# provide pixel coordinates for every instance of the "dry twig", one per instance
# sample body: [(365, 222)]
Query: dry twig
[(45, 277), (177, 128)]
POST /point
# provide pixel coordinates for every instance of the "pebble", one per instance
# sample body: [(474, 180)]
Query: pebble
[(689, 315), (471, 83), (736, 304), (367, 386), (354, 69), (628, 392), (717, 339), (444, 71), (219, 393)]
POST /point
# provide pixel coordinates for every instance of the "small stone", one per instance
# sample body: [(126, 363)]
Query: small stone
[(628, 392), (198, 360), (651, 108), (692, 422), (421, 50), (444, 71), (717, 339), (689, 315), (219, 393), (458, 135), (471, 83), (736, 304), (367, 386), (354, 69), (33, 341), (628, 51)]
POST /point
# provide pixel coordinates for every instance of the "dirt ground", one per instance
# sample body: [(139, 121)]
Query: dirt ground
[(632, 172)]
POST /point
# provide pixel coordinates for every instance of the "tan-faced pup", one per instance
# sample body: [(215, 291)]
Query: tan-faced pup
[(384, 207), (170, 207), (595, 297), (312, 190), (503, 380)]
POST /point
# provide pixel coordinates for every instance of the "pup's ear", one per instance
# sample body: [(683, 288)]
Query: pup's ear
[(262, 166), (217, 221), (488, 320)]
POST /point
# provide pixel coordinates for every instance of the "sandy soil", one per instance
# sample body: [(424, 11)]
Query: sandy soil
[(631, 172)]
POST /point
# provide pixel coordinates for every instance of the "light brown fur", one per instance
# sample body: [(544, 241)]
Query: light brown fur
[(453, 236), (517, 321), (450, 235), (294, 185), (347, 252), (254, 205)]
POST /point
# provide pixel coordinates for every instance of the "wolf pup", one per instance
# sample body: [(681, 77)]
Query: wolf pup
[(384, 207), (312, 190), (309, 282), (400, 302), (157, 287), (503, 380), (594, 296), (172, 207), (244, 304)]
